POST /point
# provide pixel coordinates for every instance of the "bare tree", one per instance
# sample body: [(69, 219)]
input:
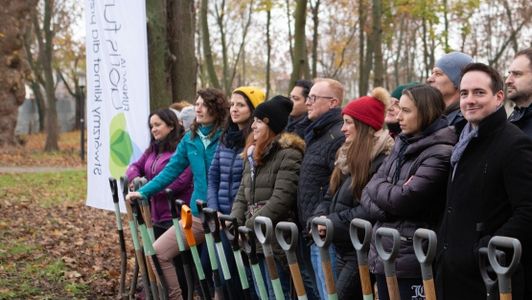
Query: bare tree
[(14, 17)]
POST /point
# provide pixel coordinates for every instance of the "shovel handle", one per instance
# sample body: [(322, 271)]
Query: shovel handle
[(264, 237), (425, 259), (389, 258), (213, 223), (504, 273), (286, 227), (139, 182), (396, 239), (318, 240), (362, 249), (186, 219), (114, 189), (247, 239), (171, 202), (354, 228), (124, 181), (201, 206), (489, 281), (230, 226)]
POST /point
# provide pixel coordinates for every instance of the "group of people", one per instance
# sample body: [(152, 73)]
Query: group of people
[(441, 155)]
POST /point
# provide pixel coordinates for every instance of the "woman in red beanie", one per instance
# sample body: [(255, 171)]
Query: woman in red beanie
[(408, 190), (366, 145)]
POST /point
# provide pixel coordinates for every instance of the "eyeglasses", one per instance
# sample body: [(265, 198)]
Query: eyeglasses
[(312, 98)]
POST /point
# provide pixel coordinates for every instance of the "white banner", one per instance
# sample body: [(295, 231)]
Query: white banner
[(117, 93)]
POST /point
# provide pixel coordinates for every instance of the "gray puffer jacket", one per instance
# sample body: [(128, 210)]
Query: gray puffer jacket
[(408, 192)]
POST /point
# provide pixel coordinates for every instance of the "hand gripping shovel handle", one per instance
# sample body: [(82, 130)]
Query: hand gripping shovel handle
[(356, 227), (504, 274), (289, 247), (389, 258), (485, 270), (265, 238), (323, 244), (123, 254), (186, 219), (425, 259)]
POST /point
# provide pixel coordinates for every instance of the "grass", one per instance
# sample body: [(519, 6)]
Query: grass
[(44, 189)]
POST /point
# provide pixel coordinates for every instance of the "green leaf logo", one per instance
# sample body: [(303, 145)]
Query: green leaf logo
[(121, 148)]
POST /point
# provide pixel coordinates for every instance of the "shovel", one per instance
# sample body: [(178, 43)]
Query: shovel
[(218, 289), (186, 257), (146, 218), (123, 253), (230, 226), (425, 259), (504, 274), (389, 259), (186, 218), (289, 247), (323, 244), (140, 263), (247, 237), (265, 238), (362, 249)]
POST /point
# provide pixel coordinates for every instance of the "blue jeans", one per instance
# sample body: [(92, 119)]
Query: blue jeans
[(307, 271), (318, 270)]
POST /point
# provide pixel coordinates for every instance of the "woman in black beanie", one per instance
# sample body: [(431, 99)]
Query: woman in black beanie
[(269, 183)]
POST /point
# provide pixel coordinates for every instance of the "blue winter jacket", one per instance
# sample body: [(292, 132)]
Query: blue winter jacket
[(225, 175), (189, 152)]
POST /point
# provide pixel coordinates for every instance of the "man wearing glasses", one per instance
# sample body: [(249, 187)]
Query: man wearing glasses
[(519, 90), (323, 138)]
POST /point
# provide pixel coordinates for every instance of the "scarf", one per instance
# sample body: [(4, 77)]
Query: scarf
[(203, 133), (468, 133)]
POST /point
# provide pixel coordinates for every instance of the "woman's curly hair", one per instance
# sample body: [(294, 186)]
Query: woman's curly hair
[(217, 105)]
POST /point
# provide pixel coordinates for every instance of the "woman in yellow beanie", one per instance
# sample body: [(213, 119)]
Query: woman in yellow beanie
[(226, 168)]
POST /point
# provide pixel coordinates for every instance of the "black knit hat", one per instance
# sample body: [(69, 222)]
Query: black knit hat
[(275, 112)]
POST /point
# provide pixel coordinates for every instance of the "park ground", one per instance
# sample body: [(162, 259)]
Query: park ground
[(53, 246)]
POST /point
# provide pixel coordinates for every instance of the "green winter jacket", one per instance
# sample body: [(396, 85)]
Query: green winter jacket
[(275, 187)]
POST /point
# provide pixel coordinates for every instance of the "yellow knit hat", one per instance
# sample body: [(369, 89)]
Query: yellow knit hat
[(254, 94)]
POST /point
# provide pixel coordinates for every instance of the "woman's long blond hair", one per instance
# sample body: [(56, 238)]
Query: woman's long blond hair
[(359, 160)]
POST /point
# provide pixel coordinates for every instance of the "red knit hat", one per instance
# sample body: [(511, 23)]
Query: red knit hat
[(369, 110)]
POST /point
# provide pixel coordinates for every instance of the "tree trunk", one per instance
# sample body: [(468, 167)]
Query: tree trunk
[(378, 73), (160, 92), (46, 56), (362, 76), (288, 17), (181, 29), (13, 20), (268, 52), (315, 38), (207, 52), (300, 61)]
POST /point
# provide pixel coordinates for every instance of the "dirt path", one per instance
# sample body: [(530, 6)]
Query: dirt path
[(30, 169)]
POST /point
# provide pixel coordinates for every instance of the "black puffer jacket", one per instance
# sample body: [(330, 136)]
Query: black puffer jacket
[(323, 138), (522, 118), (344, 207), (408, 192)]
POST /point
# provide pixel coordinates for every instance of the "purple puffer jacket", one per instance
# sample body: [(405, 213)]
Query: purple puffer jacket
[(149, 165)]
